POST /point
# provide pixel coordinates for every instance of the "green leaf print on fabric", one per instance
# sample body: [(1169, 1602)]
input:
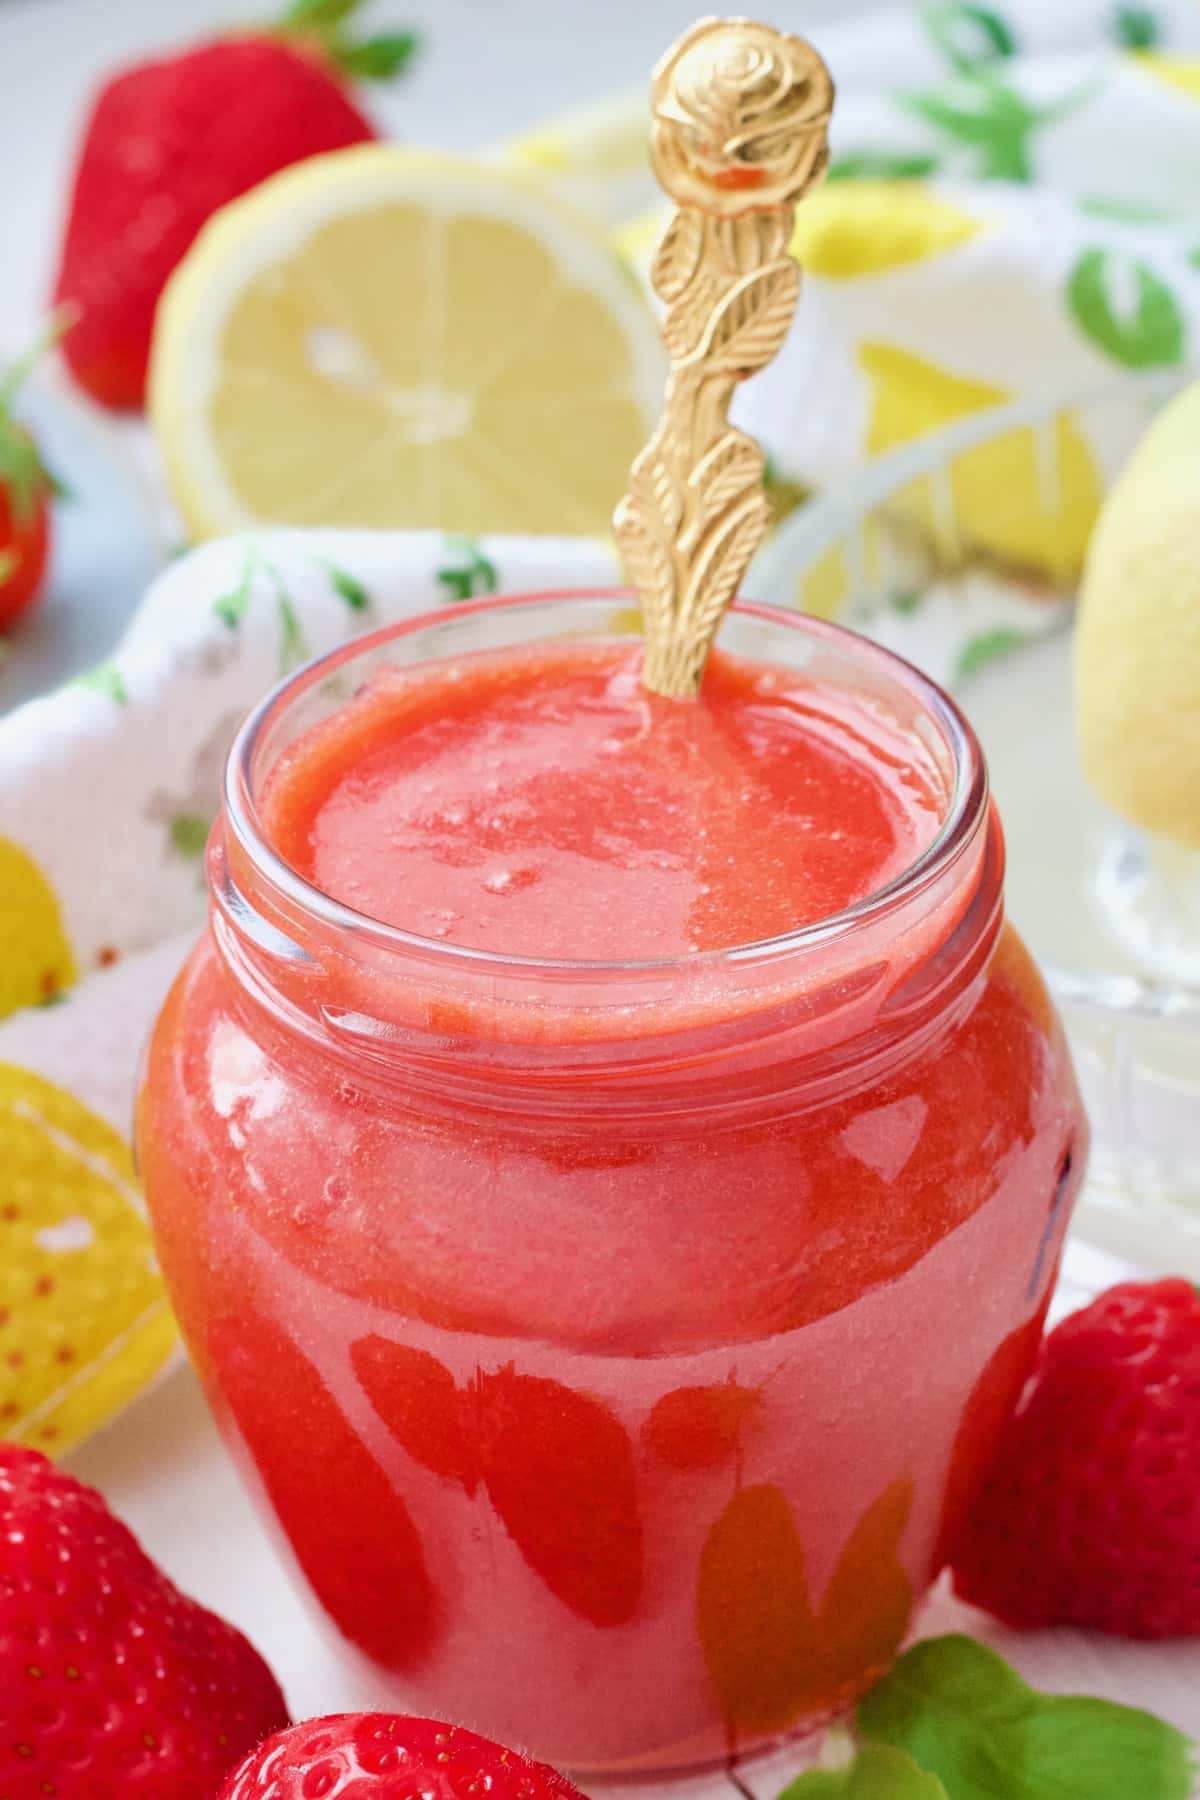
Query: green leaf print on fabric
[(105, 678), (1127, 212), (466, 571), (1126, 309), (906, 601), (971, 36), (977, 652), (989, 119), (293, 649), (882, 165), (1136, 27), (188, 833), (231, 608), (349, 589)]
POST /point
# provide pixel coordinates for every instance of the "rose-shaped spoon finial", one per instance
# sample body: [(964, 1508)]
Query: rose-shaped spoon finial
[(740, 119)]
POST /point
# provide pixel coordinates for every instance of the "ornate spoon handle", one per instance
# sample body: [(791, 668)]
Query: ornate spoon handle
[(740, 116)]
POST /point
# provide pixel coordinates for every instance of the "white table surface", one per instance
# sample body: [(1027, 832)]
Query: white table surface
[(491, 68)]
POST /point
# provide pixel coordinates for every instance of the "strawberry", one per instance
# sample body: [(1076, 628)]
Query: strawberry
[(26, 489), (112, 1682), (169, 142), (1091, 1513), (989, 1407), (380, 1756)]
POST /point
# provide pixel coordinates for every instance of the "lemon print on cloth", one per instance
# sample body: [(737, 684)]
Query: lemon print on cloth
[(389, 338), (84, 1320), (1029, 499), (1180, 72), (829, 583), (850, 229), (35, 958), (864, 227), (825, 586)]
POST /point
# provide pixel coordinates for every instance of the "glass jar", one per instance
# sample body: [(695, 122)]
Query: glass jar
[(617, 1346)]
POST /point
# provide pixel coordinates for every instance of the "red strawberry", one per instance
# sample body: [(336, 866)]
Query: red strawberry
[(170, 142), (381, 1756), (111, 1681), (26, 489), (1091, 1514), (989, 1407)]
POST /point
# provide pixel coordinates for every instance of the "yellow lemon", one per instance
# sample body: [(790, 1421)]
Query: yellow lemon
[(35, 958), (865, 227), (594, 157), (1028, 500), (382, 337), (1137, 640), (84, 1320)]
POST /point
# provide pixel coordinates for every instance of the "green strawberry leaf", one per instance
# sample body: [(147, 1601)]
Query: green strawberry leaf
[(971, 36), (22, 474), (370, 59), (978, 651), (316, 15), (881, 165), (378, 58), (1126, 309), (352, 592), (877, 1773), (961, 1712), (15, 376), (1137, 28)]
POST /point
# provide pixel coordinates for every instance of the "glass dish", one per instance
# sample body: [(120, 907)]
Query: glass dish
[(911, 550)]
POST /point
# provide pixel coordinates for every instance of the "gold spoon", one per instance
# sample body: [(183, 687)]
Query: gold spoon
[(739, 136)]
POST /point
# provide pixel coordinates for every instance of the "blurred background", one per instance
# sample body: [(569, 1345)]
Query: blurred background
[(487, 71)]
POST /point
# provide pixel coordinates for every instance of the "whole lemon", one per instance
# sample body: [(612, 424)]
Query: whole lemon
[(1137, 640)]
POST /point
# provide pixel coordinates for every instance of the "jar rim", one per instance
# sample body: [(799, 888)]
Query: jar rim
[(965, 812)]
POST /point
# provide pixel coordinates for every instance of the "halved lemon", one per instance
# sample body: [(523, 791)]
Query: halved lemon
[(84, 1318), (383, 337)]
